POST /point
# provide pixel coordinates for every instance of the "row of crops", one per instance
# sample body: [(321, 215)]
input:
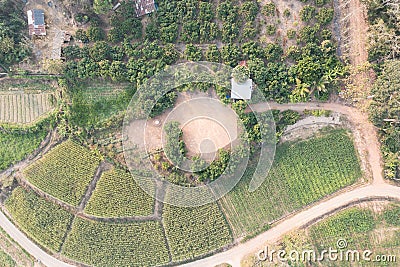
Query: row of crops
[(303, 172), (44, 222), (24, 108), (192, 232), (118, 195), (6, 260), (104, 244), (64, 172)]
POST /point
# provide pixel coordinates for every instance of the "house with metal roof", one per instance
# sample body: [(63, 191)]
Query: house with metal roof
[(36, 22), (243, 90), (144, 7)]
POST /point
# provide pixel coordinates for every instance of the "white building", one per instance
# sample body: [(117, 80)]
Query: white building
[(241, 90)]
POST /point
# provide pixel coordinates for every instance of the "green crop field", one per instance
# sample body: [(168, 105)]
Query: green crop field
[(43, 221), (12, 254), (94, 104), (192, 232), (303, 172), (22, 108), (16, 145), (64, 172), (106, 244), (364, 227), (6, 260), (118, 195), (98, 91), (24, 101)]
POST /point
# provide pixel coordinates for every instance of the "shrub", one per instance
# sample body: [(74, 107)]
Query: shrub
[(291, 33), (269, 9), (270, 29), (307, 13), (392, 216), (320, 3), (325, 15), (95, 34)]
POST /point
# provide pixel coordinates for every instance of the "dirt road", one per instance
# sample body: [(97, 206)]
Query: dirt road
[(235, 255)]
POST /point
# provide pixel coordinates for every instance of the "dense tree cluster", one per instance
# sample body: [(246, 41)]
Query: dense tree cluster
[(174, 147), (125, 24), (129, 62), (384, 19), (13, 45), (384, 53), (385, 114), (224, 32), (102, 6)]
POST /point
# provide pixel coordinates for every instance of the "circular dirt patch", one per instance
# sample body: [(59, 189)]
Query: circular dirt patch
[(204, 136)]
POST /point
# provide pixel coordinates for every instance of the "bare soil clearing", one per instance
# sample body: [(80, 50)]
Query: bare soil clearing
[(201, 118), (57, 20)]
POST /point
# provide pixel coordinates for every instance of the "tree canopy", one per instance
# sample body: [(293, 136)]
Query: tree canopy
[(13, 44), (385, 114)]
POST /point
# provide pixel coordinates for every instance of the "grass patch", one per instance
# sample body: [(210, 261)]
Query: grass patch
[(363, 229), (17, 145), (95, 104), (392, 215)]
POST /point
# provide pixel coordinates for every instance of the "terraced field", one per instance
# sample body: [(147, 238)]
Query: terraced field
[(304, 172), (367, 226), (22, 108), (192, 232), (6, 260)]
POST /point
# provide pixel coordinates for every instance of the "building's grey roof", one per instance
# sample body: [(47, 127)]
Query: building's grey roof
[(38, 17), (241, 90), (36, 24)]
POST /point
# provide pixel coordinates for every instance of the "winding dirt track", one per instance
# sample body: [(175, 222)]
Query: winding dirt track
[(378, 188)]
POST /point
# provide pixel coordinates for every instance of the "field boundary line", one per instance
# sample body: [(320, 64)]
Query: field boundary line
[(103, 166), (66, 234)]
